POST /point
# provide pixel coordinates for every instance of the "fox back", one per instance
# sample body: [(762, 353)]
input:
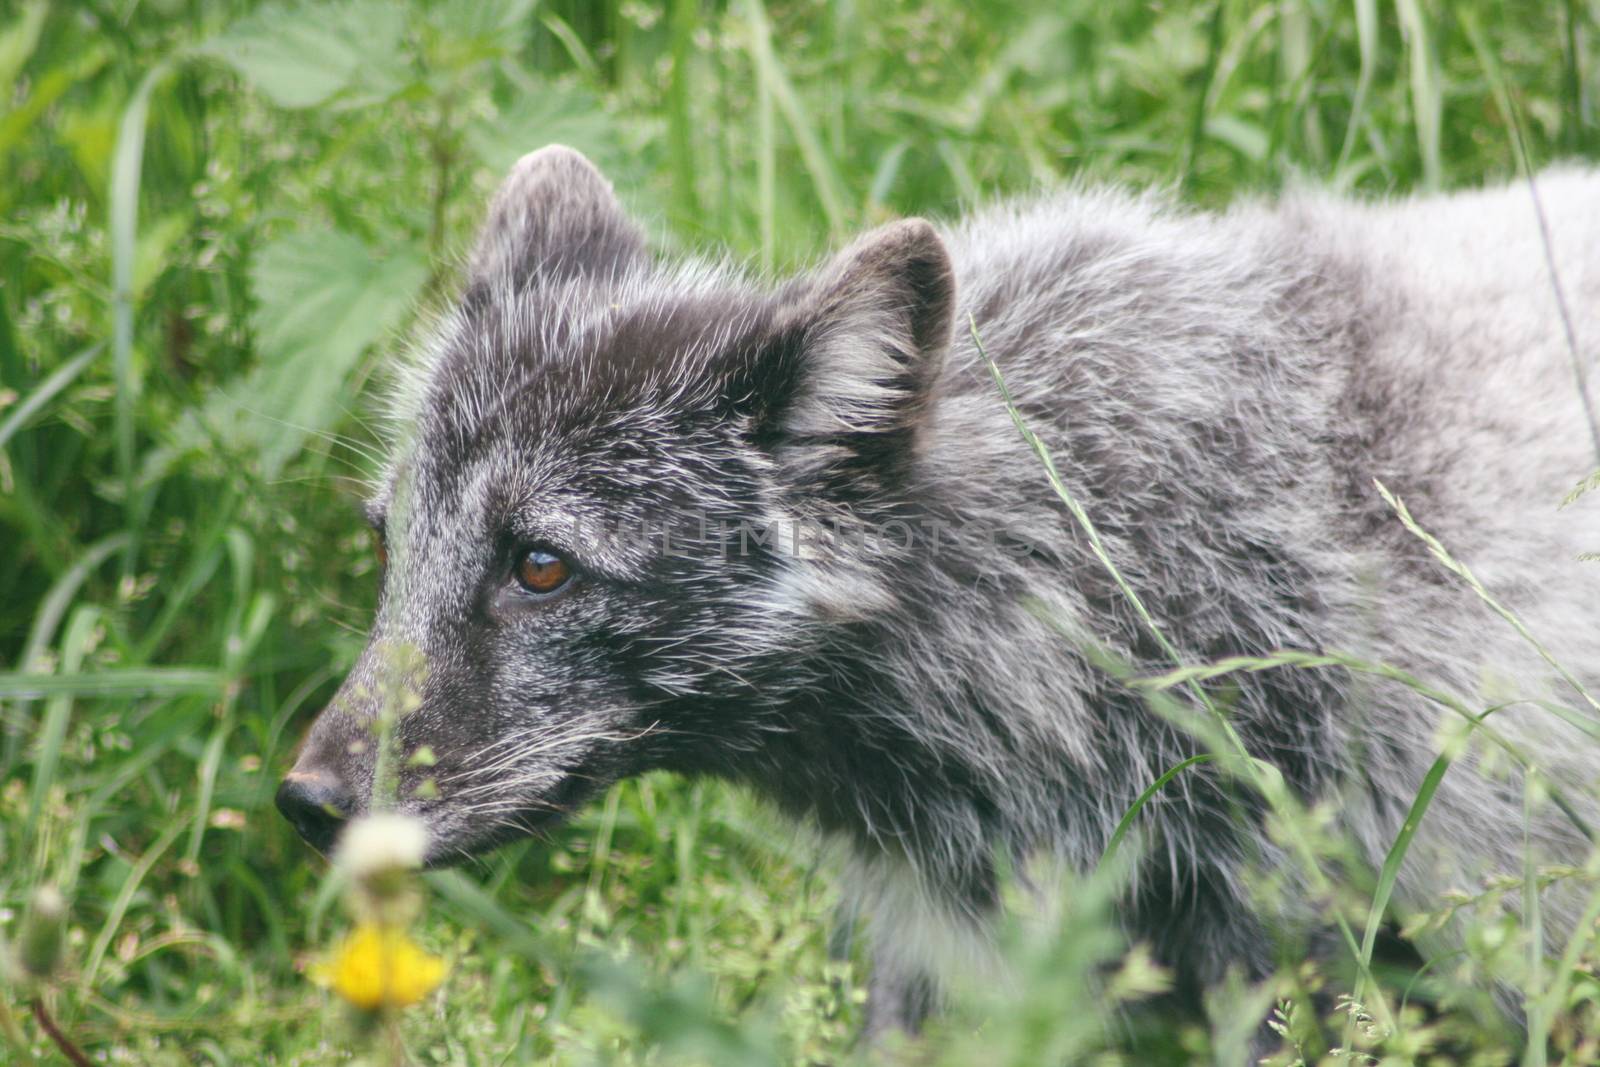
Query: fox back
[(645, 515)]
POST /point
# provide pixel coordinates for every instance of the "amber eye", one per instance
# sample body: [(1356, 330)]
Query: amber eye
[(381, 548), (542, 572)]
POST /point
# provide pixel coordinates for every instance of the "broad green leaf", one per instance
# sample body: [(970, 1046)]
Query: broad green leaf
[(322, 299), (459, 37), (490, 26), (302, 56), (558, 115)]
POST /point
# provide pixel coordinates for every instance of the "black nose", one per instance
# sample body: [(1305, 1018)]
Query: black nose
[(317, 804)]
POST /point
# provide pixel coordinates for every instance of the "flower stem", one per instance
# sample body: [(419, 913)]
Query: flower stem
[(68, 1049)]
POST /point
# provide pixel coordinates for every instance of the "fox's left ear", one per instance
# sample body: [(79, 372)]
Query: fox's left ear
[(555, 216), (856, 350)]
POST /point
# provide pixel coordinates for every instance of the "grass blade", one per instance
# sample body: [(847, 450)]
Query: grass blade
[(1513, 120), (766, 170), (1461, 570), (1535, 1053), (58, 380), (1265, 779), (133, 681), (57, 715), (1427, 103), (1126, 822), (126, 165), (124, 897), (779, 90), (682, 22), (52, 609), (1202, 101), (1571, 80), (1367, 43), (1395, 857)]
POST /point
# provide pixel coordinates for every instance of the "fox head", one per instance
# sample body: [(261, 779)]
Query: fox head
[(612, 519)]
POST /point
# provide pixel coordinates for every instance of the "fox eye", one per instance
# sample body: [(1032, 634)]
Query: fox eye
[(542, 572), (380, 548)]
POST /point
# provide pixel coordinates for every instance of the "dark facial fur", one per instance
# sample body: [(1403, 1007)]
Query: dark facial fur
[(583, 400), (1219, 393)]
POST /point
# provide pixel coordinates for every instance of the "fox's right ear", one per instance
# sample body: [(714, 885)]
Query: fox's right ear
[(556, 216), (840, 387)]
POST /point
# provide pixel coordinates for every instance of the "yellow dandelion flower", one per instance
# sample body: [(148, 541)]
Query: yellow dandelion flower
[(378, 966)]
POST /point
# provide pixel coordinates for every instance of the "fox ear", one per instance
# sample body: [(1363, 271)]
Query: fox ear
[(857, 350), (554, 215)]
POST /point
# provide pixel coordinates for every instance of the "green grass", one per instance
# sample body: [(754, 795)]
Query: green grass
[(217, 222)]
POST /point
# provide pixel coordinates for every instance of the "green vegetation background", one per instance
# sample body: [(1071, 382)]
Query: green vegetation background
[(217, 221)]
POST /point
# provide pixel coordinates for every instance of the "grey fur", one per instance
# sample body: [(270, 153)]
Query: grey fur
[(1219, 391)]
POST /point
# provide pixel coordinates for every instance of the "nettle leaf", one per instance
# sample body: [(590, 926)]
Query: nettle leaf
[(302, 56), (489, 21), (322, 299), (459, 37), (557, 114)]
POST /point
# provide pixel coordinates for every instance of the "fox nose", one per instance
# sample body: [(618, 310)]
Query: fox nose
[(317, 804)]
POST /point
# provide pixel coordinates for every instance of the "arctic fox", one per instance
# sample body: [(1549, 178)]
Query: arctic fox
[(645, 514)]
